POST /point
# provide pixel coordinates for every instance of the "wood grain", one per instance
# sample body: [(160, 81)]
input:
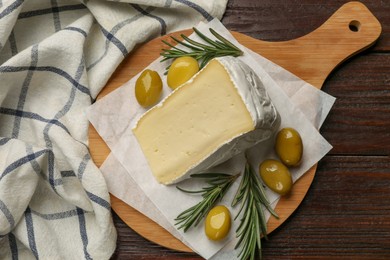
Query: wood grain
[(345, 213), (99, 151), (281, 20), (310, 57)]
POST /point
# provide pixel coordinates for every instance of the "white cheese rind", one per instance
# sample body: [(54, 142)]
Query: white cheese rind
[(255, 100), (264, 115), (252, 92)]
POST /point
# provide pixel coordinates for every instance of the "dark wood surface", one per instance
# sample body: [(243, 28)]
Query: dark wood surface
[(346, 213)]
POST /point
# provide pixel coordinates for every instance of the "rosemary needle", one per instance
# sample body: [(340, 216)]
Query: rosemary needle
[(202, 52), (253, 224), (218, 185)]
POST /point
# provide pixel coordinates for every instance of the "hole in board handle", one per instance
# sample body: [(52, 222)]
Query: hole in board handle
[(354, 26)]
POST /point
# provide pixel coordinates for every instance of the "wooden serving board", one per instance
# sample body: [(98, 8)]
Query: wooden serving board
[(348, 31)]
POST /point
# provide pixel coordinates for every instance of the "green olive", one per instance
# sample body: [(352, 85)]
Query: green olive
[(181, 70), (148, 88), (276, 176), (289, 146), (217, 224)]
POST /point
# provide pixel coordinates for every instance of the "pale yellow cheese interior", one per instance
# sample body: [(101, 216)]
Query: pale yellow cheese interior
[(192, 123)]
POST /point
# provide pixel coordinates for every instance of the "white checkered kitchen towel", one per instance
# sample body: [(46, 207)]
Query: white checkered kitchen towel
[(55, 57)]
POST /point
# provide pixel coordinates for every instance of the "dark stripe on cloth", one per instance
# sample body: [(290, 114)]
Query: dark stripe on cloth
[(82, 166), (71, 28), (59, 215), (50, 159), (48, 69), (24, 90), (98, 200), (50, 10), (197, 8), (30, 232), (52, 180), (12, 43), (11, 8), (4, 140), (21, 162), (38, 170), (7, 214), (31, 115), (115, 41), (68, 174), (83, 233), (147, 13), (56, 15), (64, 174), (113, 31), (13, 246)]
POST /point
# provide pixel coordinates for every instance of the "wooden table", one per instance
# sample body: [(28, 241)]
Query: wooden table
[(346, 212)]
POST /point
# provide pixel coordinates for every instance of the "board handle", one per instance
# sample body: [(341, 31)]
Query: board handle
[(350, 30)]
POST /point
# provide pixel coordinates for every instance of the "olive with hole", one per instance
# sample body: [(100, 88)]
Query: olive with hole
[(148, 88), (276, 176), (218, 222), (289, 147)]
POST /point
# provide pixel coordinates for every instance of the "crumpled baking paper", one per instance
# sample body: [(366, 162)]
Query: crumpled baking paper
[(129, 178)]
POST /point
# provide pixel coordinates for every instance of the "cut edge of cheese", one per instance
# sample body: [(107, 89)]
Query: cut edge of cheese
[(204, 122)]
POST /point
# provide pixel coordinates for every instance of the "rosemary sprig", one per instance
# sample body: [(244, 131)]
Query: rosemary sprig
[(219, 184), (252, 223), (202, 52)]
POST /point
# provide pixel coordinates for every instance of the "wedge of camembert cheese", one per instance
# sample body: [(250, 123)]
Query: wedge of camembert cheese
[(222, 111)]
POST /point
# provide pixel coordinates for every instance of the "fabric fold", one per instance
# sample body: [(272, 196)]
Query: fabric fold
[(55, 57)]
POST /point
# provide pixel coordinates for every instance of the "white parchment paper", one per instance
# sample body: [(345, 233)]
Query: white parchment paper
[(128, 176)]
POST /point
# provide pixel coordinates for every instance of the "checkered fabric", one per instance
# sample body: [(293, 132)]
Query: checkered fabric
[(55, 57)]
